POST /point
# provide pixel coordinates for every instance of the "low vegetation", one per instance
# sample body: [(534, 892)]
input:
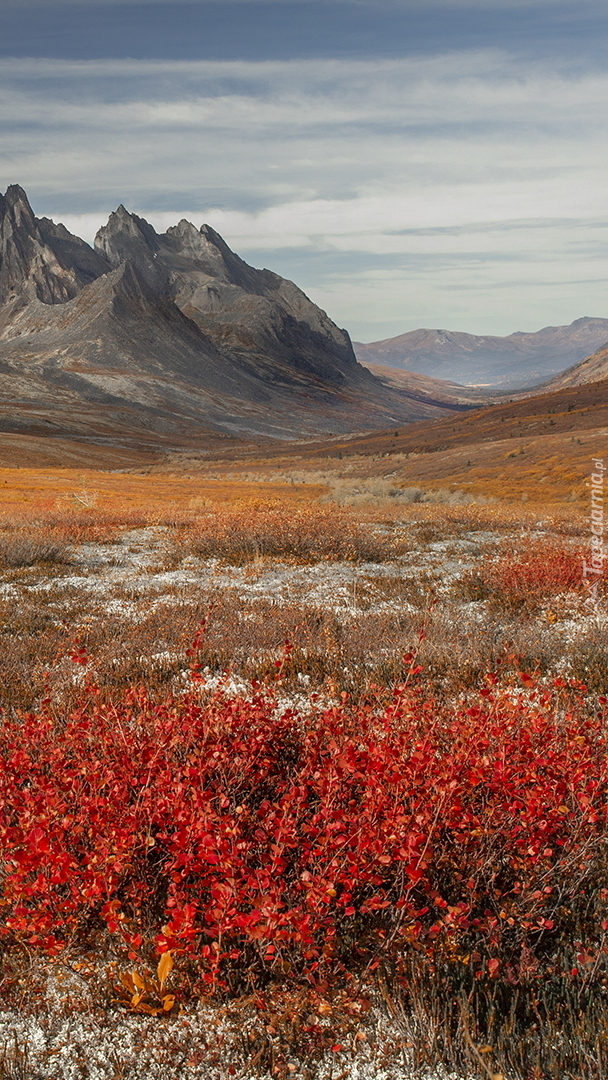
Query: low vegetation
[(311, 534), (522, 582), (225, 845), (28, 551), (373, 779)]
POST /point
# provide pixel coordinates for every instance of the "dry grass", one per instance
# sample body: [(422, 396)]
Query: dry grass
[(331, 652), (28, 550), (27, 494), (535, 451), (138, 625)]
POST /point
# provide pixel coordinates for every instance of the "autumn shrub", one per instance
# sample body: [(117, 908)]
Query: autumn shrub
[(310, 534), (521, 581), (590, 663), (30, 550), (68, 526), (261, 845)]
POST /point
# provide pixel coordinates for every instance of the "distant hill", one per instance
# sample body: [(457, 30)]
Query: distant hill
[(430, 389), (170, 337), (592, 369), (517, 361)]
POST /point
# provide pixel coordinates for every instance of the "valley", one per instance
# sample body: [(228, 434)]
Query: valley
[(303, 691)]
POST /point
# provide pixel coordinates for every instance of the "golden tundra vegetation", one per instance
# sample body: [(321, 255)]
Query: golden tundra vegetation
[(537, 449), (507, 481)]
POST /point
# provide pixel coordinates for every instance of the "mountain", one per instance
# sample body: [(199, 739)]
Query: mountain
[(170, 336), (519, 360), (253, 313), (592, 369)]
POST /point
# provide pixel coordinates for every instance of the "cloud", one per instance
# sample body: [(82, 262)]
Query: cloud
[(464, 190), (395, 5), (289, 29)]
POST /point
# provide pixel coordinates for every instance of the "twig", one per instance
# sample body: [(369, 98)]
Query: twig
[(467, 1038)]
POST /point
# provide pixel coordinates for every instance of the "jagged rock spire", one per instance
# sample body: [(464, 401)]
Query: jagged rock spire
[(38, 259), (129, 237)]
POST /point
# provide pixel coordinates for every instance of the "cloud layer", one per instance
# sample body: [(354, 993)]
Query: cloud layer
[(403, 5), (464, 190)]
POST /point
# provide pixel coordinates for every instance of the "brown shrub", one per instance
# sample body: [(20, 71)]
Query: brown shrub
[(27, 549), (312, 534)]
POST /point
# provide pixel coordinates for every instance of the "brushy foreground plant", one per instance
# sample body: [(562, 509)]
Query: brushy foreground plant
[(456, 852), (29, 550), (311, 534)]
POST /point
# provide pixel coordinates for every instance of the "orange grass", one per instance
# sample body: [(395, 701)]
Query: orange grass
[(549, 469), (30, 492)]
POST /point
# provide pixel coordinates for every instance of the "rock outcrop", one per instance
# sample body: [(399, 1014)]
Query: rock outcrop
[(255, 313)]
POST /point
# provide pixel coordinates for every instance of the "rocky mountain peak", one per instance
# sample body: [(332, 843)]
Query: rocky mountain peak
[(129, 237), (17, 203), (184, 228), (125, 230), (175, 331), (38, 259), (204, 248)]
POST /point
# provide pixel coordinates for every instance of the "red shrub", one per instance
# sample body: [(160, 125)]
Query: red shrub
[(262, 842), (523, 580), (546, 572)]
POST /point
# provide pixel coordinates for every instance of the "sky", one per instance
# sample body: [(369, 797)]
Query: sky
[(408, 163)]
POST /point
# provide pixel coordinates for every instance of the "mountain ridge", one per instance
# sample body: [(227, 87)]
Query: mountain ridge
[(174, 337), (518, 361), (592, 369)]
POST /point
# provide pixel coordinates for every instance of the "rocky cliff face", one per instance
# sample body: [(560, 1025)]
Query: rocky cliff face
[(254, 312), (170, 333)]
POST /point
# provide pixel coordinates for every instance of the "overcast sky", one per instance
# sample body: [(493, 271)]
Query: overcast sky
[(407, 164)]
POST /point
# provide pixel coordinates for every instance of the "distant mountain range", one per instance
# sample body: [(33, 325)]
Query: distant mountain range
[(170, 335), (517, 361)]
